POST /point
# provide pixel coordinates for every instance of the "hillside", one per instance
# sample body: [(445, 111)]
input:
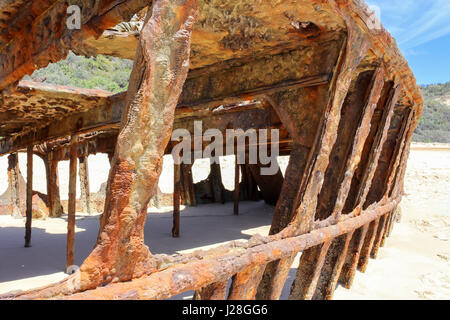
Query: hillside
[(107, 73), (112, 74), (434, 126)]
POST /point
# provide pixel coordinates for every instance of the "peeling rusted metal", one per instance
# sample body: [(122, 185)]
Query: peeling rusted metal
[(352, 258), (368, 245), (70, 253), (29, 214)]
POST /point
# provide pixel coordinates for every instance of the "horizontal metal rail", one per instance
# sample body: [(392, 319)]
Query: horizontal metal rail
[(195, 275)]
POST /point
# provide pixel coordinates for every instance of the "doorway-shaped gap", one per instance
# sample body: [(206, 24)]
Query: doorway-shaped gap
[(351, 114), (388, 155), (207, 188), (375, 129), (301, 113)]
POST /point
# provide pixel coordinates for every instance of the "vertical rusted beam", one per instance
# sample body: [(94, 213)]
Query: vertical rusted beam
[(353, 129), (83, 173), (29, 211), (395, 214), (249, 183), (70, 253), (356, 48), (276, 272), (270, 185), (176, 200), (389, 157), (110, 157), (332, 267), (309, 269), (217, 184), (378, 237), (13, 182), (55, 208), (187, 185), (236, 186), (302, 218), (386, 228), (353, 253), (156, 81), (367, 246), (214, 291), (398, 182), (245, 283)]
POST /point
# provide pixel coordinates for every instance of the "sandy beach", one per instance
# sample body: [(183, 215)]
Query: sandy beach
[(414, 264)]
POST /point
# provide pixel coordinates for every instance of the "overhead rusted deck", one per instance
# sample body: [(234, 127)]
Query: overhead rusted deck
[(226, 35)]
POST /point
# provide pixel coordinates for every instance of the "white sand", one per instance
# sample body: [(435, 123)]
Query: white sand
[(414, 264)]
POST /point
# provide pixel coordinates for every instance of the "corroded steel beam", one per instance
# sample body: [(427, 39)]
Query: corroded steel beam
[(332, 267), (214, 291), (70, 253), (54, 201), (308, 273), (159, 71), (13, 183), (379, 142), (237, 173), (305, 201), (245, 283), (368, 165), (368, 245), (361, 135), (29, 214), (32, 46), (353, 253), (83, 173), (378, 237), (176, 200)]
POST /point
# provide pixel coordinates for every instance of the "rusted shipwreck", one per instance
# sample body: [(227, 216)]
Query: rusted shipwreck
[(324, 72)]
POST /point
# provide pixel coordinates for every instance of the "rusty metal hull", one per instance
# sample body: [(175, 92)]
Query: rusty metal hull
[(343, 97)]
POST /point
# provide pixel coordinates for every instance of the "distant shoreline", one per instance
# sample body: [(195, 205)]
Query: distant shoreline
[(430, 146)]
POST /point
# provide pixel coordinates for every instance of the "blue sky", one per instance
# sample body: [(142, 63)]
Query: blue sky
[(422, 31)]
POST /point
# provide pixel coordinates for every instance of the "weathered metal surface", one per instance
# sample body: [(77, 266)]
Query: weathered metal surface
[(245, 283), (352, 258), (146, 126), (308, 273), (365, 172), (83, 173), (176, 200), (213, 291), (29, 204), (54, 201), (237, 177), (332, 267), (378, 237), (13, 182), (341, 94), (28, 45), (361, 135), (70, 253), (367, 246)]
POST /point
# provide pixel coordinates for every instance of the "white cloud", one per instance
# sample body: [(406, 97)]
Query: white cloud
[(415, 22)]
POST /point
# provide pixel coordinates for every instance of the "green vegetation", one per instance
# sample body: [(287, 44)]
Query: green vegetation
[(434, 126), (112, 74), (103, 72)]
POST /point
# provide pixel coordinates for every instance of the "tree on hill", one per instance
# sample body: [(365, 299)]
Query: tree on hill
[(112, 74)]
